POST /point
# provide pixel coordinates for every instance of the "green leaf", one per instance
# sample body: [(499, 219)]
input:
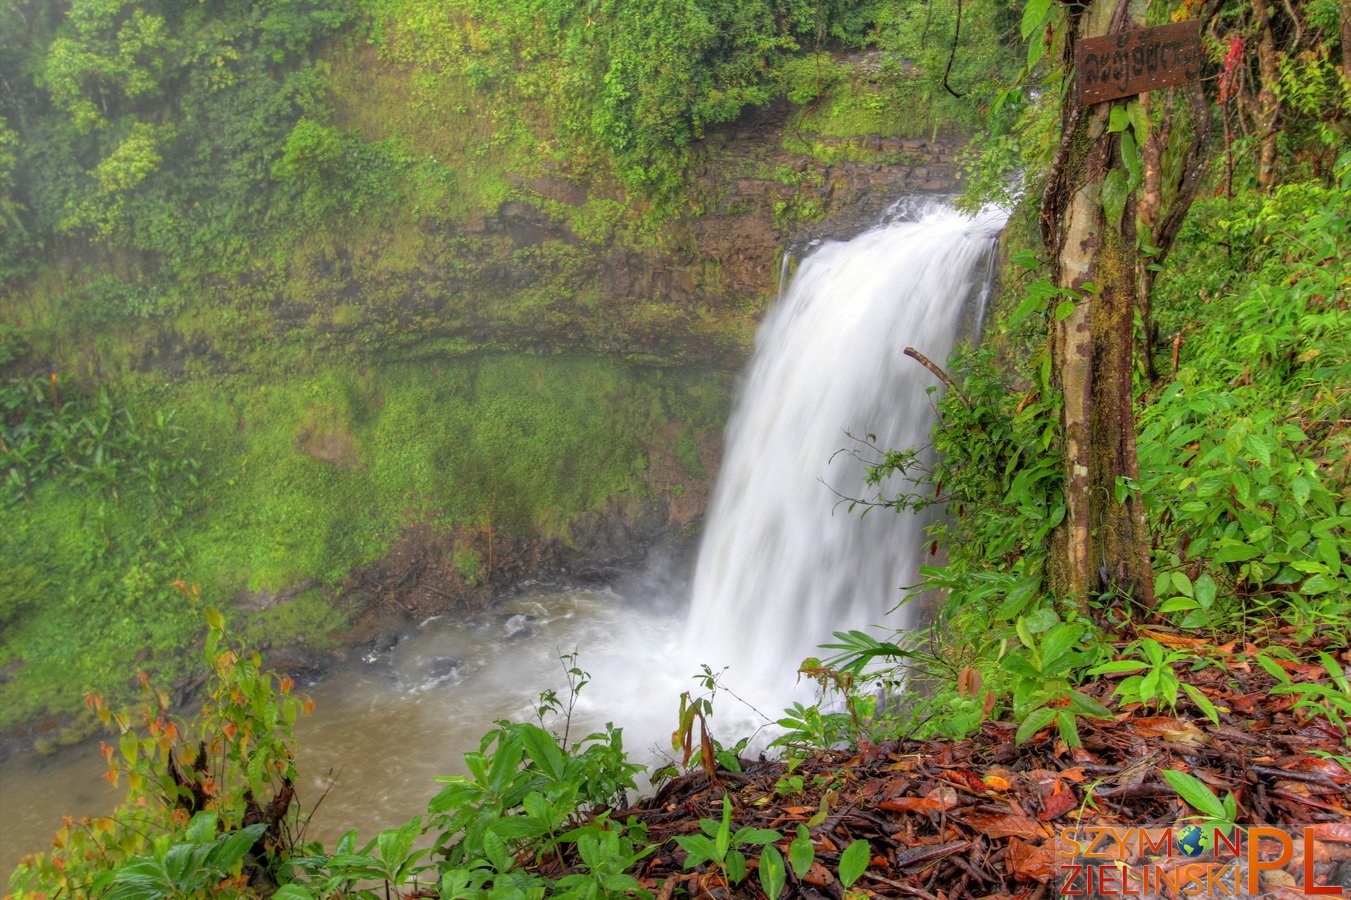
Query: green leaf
[(396, 843), (231, 848), (543, 749), (495, 849), (773, 874), (1335, 670), (1021, 592), (1069, 729), (700, 849), (1117, 120), (1118, 666), (130, 747), (1035, 721), (736, 867), (801, 852), (1272, 669), (1115, 192), (1236, 552), (1330, 553), (1064, 309), (1203, 702), (758, 836), (1196, 794), (1319, 584), (1035, 14), (1205, 590), (202, 828), (1085, 705), (1301, 487), (1173, 604), (723, 839), (854, 861), (1135, 111), (1058, 642), (1182, 583), (1130, 158), (293, 891)]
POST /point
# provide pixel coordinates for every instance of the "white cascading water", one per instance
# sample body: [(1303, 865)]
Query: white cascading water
[(782, 564)]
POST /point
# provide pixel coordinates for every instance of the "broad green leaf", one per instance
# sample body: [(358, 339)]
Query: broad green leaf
[(1117, 666), (1135, 111), (1021, 592), (293, 892), (396, 843), (1117, 120), (1130, 158), (736, 866), (1085, 705), (1236, 553), (1319, 584), (202, 828), (1064, 309), (773, 875), (700, 849), (1182, 583), (1035, 721), (1173, 604), (495, 849), (759, 836), (231, 848), (1196, 794), (543, 749), (854, 861), (130, 747), (1035, 14), (1069, 730), (1330, 553), (1205, 590), (1272, 669), (1057, 642), (801, 852)]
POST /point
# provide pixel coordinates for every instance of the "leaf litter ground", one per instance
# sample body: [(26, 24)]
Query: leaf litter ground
[(980, 817)]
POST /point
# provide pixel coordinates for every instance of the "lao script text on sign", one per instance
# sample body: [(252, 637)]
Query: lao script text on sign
[(1132, 62)]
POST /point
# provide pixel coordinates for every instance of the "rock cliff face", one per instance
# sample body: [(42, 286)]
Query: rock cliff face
[(693, 298), (525, 277)]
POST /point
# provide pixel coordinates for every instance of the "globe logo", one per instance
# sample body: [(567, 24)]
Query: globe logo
[(1192, 840)]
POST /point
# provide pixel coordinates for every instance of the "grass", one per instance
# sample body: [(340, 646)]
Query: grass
[(523, 444)]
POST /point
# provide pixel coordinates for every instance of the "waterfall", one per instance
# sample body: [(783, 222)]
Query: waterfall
[(783, 564)]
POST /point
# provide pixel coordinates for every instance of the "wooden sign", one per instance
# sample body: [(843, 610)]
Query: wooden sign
[(1132, 62)]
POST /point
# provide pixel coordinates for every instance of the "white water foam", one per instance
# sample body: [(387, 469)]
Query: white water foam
[(782, 564)]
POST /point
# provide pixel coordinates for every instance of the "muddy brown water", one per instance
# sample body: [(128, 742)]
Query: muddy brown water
[(386, 725)]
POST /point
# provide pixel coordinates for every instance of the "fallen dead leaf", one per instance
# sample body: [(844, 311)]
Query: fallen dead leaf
[(1029, 862), (1002, 826)]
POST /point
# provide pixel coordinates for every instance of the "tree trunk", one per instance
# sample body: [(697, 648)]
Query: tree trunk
[(1268, 106), (1346, 38), (1103, 545)]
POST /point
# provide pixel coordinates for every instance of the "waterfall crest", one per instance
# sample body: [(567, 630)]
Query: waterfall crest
[(781, 566)]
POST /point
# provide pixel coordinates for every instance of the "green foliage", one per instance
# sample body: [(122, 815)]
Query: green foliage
[(722, 848), (1237, 451), (185, 868), (202, 795), (1202, 798)]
